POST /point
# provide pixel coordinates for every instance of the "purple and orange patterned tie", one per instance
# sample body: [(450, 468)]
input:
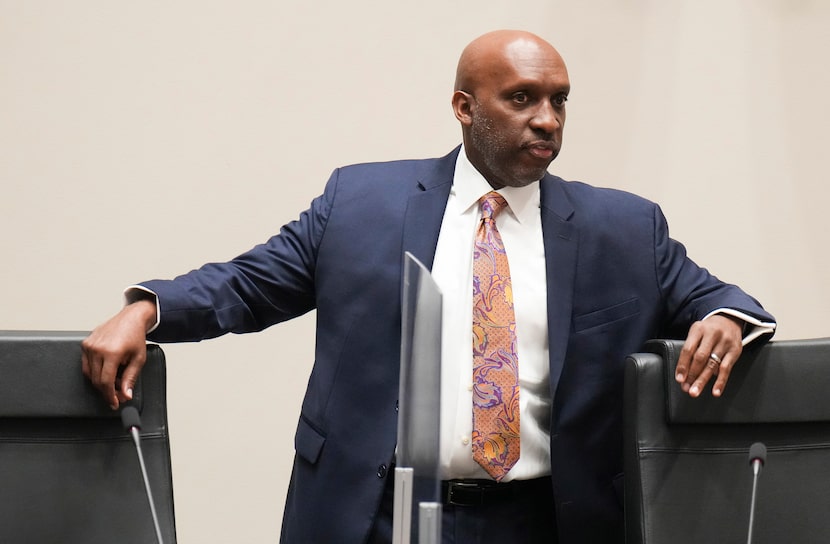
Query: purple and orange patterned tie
[(495, 364)]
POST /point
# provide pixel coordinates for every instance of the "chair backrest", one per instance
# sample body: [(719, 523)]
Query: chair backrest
[(69, 472), (687, 471)]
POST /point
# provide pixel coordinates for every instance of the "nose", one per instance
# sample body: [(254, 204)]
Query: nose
[(545, 118)]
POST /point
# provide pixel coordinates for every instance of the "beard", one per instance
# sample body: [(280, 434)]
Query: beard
[(499, 155)]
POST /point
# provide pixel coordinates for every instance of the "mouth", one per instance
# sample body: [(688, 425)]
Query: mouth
[(541, 149)]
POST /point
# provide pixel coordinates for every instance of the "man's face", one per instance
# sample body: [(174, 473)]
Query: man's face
[(517, 115)]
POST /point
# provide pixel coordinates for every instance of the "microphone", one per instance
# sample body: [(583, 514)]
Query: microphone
[(132, 424), (757, 458)]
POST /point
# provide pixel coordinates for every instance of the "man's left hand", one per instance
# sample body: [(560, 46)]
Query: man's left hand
[(711, 349)]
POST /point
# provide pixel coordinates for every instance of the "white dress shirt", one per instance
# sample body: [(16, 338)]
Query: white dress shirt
[(520, 226)]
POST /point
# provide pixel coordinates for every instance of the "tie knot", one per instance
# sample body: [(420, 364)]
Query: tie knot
[(491, 204)]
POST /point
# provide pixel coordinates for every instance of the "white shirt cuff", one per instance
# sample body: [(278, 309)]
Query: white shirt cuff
[(756, 326), (134, 293)]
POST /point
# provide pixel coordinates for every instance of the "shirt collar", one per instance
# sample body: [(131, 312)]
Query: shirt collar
[(469, 185)]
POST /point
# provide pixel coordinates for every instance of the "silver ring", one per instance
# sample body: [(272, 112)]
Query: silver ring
[(715, 358)]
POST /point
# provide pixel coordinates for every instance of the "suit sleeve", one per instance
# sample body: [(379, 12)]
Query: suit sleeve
[(689, 291), (271, 283)]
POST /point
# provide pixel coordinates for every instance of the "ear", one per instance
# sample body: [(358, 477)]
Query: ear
[(462, 106)]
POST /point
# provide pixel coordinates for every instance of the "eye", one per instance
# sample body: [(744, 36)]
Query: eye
[(560, 100), (520, 97)]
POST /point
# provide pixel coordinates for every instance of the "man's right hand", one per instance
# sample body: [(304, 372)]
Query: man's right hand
[(121, 341)]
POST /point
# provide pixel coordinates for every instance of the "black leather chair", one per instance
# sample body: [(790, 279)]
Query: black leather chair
[(69, 472), (687, 473)]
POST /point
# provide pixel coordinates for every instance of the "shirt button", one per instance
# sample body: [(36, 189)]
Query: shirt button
[(381, 471), (465, 440), (470, 387)]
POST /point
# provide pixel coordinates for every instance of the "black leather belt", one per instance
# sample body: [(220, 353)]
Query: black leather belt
[(488, 492)]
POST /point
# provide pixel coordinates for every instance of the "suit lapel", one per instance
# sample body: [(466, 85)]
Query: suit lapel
[(561, 242), (422, 225), (425, 209)]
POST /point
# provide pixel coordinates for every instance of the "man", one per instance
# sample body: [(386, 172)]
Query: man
[(592, 275)]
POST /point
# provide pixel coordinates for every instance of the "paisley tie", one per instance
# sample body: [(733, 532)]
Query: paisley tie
[(495, 439)]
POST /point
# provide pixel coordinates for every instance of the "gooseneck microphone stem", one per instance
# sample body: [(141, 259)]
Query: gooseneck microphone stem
[(134, 433), (757, 458), (132, 422), (755, 470)]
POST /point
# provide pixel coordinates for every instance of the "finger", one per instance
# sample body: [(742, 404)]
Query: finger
[(710, 369), (727, 364), (700, 360), (98, 377), (84, 361), (684, 361), (94, 362), (106, 382), (130, 375)]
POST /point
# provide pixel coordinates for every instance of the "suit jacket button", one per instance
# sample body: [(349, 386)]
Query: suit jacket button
[(381, 471)]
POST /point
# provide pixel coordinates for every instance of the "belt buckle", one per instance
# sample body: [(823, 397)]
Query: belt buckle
[(465, 490)]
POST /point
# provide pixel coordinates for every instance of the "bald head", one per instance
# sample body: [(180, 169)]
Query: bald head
[(488, 55), (510, 92)]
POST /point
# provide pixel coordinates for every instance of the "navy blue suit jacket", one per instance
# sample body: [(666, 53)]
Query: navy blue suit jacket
[(614, 280)]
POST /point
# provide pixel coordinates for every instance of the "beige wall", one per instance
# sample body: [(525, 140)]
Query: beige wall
[(141, 139)]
